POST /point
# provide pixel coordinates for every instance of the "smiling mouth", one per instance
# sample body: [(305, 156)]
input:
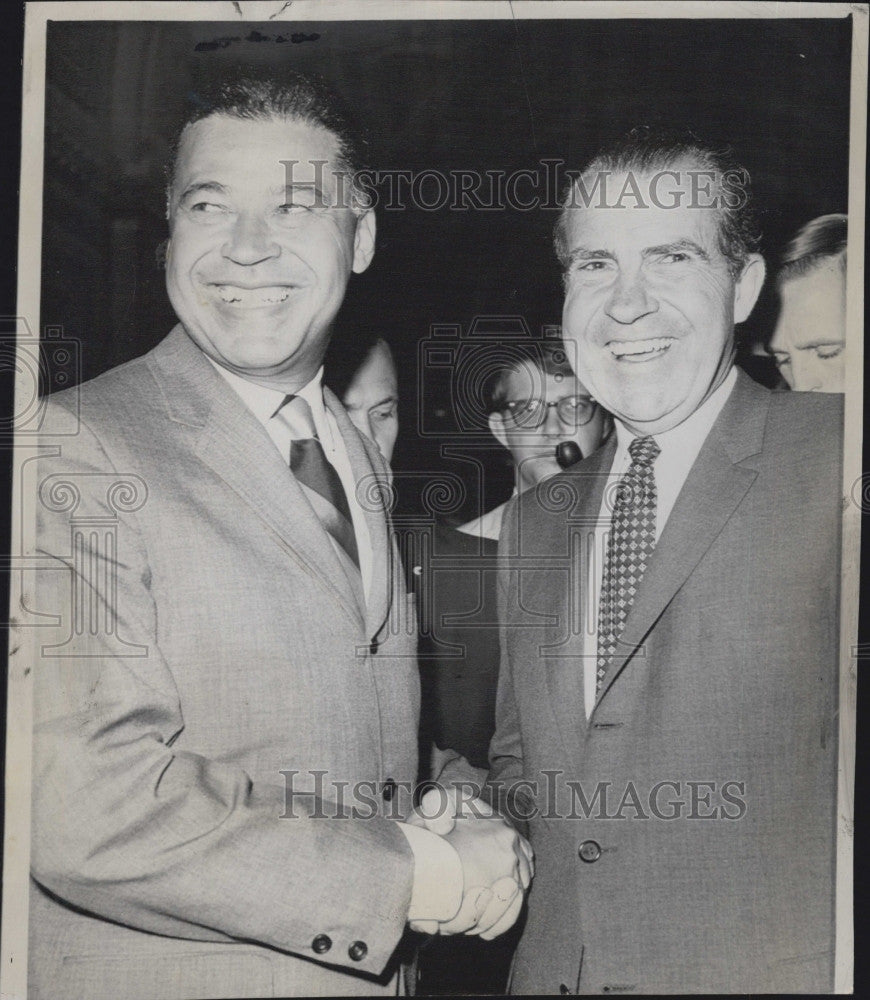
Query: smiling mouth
[(253, 298), (640, 350)]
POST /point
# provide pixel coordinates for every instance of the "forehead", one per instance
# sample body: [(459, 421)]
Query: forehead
[(626, 215), (377, 369), (814, 305), (222, 148)]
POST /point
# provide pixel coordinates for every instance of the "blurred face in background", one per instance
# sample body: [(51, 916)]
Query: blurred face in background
[(540, 410), (372, 399), (810, 333)]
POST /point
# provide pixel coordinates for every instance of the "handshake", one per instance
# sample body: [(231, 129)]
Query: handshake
[(497, 864)]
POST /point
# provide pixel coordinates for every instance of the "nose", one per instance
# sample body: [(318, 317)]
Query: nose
[(250, 241), (630, 299), (553, 426)]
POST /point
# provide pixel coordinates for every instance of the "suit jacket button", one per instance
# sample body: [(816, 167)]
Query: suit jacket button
[(321, 944), (358, 951), (589, 851), (373, 648), (389, 790)]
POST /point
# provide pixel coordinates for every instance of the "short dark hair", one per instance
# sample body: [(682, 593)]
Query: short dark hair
[(644, 149), (254, 95), (817, 241), (550, 358)]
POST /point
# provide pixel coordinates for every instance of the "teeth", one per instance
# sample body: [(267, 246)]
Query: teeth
[(622, 348), (252, 297)]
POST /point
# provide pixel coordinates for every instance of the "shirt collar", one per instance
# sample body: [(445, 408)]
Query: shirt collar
[(264, 402), (693, 430)]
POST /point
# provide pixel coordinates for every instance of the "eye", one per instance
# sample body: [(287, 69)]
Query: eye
[(300, 200), (207, 208), (676, 257), (384, 412), (827, 351), (590, 266)]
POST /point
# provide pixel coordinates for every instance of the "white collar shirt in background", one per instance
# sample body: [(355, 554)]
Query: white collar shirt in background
[(679, 449)]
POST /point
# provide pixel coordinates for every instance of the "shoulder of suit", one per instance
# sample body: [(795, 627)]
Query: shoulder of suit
[(807, 416), (128, 388)]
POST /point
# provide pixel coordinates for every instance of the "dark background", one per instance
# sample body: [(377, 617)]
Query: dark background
[(777, 90), (469, 95)]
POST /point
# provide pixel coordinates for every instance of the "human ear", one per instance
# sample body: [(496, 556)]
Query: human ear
[(748, 287), (364, 241)]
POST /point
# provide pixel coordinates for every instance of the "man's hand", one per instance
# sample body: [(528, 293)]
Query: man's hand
[(497, 864)]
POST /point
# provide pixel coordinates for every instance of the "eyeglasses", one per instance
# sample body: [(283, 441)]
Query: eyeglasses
[(573, 411)]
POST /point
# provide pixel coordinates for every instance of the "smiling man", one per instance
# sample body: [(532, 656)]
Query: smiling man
[(667, 706), (225, 724)]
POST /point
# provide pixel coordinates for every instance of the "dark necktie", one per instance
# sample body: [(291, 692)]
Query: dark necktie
[(632, 539), (316, 475)]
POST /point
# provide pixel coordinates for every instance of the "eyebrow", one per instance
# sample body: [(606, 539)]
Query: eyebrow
[(814, 342), (585, 253), (300, 186), (209, 187), (676, 247), (371, 406), (214, 187)]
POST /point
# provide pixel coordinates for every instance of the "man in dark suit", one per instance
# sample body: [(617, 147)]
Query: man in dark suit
[(225, 723), (667, 707)]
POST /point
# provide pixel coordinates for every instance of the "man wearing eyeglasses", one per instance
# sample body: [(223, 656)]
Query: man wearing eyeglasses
[(536, 403)]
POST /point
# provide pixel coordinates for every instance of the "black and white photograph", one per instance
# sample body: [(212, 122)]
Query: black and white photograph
[(436, 499)]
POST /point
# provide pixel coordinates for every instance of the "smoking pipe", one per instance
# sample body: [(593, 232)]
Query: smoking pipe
[(567, 453)]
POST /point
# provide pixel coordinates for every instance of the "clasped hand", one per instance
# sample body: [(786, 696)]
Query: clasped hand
[(497, 864)]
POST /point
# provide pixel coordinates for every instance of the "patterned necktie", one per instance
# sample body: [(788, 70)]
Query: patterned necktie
[(316, 475), (632, 539)]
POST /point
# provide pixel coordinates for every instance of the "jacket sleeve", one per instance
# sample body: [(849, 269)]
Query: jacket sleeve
[(127, 826), (502, 787), (506, 746)]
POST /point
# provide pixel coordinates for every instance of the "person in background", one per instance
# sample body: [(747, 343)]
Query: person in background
[(362, 373), (810, 333), (535, 402)]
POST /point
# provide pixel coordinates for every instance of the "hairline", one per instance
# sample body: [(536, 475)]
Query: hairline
[(341, 160), (693, 157)]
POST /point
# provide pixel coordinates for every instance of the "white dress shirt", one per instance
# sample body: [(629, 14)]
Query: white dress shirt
[(679, 449), (264, 403)]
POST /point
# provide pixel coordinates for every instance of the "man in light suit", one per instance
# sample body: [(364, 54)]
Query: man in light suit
[(667, 706), (225, 720)]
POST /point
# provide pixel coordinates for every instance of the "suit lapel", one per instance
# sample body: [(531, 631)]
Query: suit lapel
[(565, 663), (373, 488), (226, 436), (719, 479)]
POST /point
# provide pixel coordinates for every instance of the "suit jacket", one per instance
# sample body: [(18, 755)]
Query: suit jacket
[(209, 684), (684, 835)]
